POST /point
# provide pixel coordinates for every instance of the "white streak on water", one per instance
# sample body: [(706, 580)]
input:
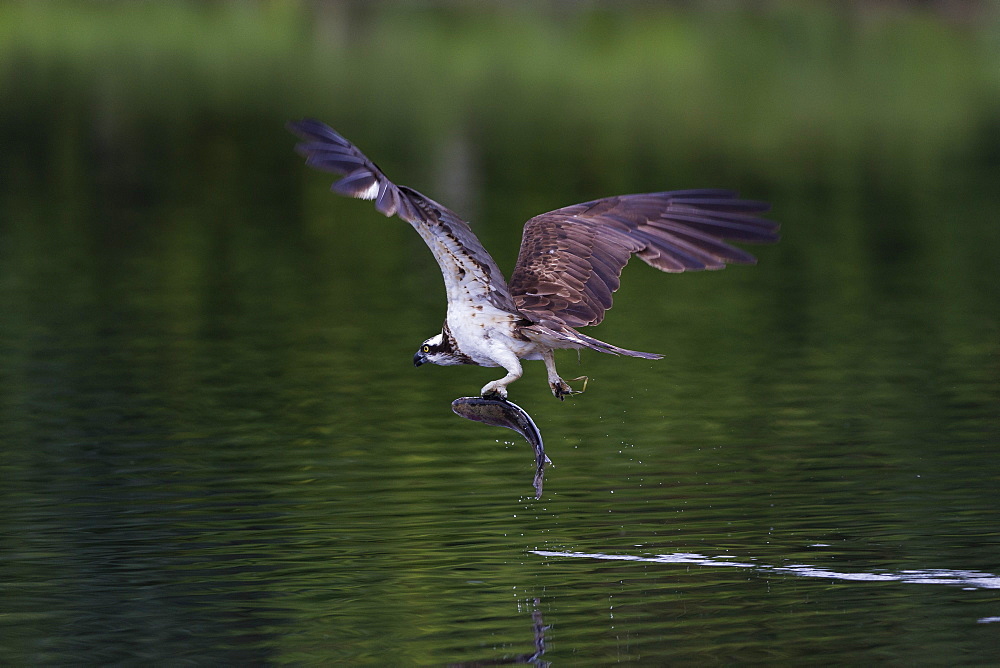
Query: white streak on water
[(968, 579)]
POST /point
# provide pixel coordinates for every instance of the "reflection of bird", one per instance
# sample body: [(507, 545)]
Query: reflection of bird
[(568, 267)]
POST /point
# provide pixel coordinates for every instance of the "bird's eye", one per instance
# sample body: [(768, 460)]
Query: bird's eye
[(425, 348)]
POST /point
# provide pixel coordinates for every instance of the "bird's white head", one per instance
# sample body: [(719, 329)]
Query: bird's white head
[(439, 349)]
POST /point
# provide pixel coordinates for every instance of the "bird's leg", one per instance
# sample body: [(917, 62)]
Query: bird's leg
[(560, 388), (498, 388)]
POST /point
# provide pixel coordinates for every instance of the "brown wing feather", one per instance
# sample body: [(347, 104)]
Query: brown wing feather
[(453, 243), (571, 258)]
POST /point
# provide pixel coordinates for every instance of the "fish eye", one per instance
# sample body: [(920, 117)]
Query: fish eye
[(425, 348)]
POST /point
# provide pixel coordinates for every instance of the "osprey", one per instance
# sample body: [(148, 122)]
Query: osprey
[(567, 269)]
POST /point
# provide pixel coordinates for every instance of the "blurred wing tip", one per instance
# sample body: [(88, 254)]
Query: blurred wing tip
[(303, 126), (703, 192), (769, 237), (312, 129)]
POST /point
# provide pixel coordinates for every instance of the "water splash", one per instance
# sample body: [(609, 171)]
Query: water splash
[(962, 578)]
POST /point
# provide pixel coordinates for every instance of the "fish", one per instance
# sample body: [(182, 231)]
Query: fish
[(502, 413)]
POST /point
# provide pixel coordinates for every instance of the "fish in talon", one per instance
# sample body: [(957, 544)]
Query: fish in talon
[(502, 413)]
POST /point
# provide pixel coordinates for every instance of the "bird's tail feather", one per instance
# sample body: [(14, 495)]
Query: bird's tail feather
[(602, 347), (558, 335)]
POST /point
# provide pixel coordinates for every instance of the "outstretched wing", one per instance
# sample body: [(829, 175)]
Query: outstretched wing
[(571, 259), (469, 271)]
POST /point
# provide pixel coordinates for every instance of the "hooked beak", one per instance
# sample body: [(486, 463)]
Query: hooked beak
[(419, 359)]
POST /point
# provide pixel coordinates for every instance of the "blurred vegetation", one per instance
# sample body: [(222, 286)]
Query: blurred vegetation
[(144, 145), (875, 129), (793, 92)]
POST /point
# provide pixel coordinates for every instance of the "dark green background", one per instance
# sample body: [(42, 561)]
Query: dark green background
[(214, 448)]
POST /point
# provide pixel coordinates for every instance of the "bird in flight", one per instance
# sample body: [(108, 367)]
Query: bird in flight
[(568, 267)]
